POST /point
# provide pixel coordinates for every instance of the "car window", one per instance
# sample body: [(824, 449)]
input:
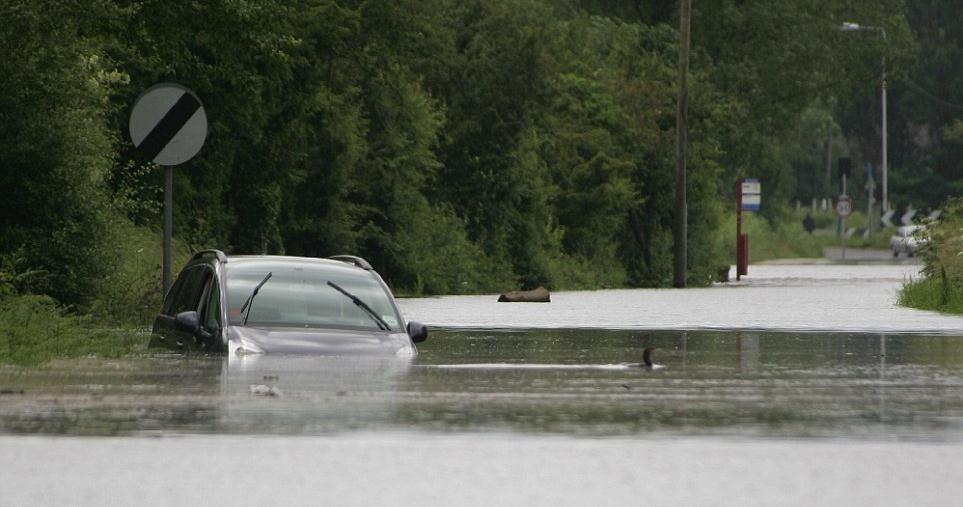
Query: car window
[(299, 295), (175, 289), (212, 309), (189, 293)]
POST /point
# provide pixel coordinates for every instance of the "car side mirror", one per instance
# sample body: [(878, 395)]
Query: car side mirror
[(187, 322), (417, 331)]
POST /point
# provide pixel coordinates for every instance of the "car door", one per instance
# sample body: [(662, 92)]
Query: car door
[(185, 295), (211, 317)]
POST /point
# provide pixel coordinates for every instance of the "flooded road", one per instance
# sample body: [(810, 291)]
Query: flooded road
[(821, 389), (827, 297), (573, 382)]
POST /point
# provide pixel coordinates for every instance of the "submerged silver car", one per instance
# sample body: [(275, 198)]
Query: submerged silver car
[(288, 305)]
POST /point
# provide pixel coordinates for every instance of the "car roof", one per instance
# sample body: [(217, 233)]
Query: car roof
[(274, 260)]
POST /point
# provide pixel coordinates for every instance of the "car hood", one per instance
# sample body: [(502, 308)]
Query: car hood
[(327, 342)]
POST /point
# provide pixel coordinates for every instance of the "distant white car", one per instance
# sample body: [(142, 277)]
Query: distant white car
[(904, 240)]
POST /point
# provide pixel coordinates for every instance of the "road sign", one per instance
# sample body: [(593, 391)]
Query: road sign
[(751, 202), (907, 217), (168, 124), (751, 191), (885, 219), (844, 206)]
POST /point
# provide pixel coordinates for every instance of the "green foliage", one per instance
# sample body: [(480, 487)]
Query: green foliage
[(55, 148), (941, 250), (782, 240), (931, 294), (35, 329), (460, 146), (130, 293)]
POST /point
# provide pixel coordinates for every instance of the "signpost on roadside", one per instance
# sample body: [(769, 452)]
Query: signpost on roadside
[(748, 198), (844, 208), (885, 219), (870, 198), (168, 126), (907, 218)]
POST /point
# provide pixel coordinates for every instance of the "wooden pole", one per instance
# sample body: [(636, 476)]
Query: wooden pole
[(681, 209)]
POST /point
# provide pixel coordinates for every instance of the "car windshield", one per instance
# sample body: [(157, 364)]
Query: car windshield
[(298, 294)]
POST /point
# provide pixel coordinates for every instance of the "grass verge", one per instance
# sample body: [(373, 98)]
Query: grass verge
[(932, 294), (786, 239), (941, 250), (35, 329)]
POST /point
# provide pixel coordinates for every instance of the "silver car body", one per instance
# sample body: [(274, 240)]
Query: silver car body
[(296, 310), (904, 240)]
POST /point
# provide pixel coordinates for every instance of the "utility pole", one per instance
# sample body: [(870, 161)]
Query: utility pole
[(681, 139), (884, 164), (882, 95), (829, 157)]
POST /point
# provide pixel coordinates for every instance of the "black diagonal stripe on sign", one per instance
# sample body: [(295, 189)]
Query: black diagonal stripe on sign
[(169, 126)]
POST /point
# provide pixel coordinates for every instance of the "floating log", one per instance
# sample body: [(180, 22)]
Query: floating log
[(539, 295)]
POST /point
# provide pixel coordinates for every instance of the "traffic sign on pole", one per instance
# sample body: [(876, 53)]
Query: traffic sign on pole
[(168, 126), (907, 218), (751, 191), (885, 219), (844, 206)]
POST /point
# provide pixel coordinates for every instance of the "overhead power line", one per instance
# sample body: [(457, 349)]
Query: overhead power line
[(919, 89)]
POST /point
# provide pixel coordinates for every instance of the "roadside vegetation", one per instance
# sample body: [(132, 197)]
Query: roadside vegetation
[(941, 250), (785, 237), (35, 329), (460, 146)]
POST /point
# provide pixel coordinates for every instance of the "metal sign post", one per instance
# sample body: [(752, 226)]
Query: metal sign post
[(844, 208), (748, 198), (168, 126)]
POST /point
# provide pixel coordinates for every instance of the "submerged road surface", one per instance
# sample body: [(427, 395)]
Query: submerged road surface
[(816, 297)]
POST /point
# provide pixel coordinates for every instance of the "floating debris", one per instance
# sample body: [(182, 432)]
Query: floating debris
[(264, 390)]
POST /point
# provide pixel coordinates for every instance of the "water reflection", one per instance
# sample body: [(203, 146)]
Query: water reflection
[(741, 383), (304, 394), (564, 381)]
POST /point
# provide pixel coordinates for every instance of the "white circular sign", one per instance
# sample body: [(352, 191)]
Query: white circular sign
[(844, 206), (168, 124)]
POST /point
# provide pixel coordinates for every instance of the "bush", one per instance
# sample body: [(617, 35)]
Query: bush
[(941, 250), (35, 329), (130, 293), (783, 240)]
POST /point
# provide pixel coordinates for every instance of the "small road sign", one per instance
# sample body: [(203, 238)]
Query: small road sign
[(844, 206), (907, 217), (168, 124), (885, 219), (751, 192)]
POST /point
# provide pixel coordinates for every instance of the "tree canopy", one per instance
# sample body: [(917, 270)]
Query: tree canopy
[(460, 146)]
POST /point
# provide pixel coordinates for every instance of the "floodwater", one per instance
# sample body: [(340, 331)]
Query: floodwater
[(797, 385), (563, 382)]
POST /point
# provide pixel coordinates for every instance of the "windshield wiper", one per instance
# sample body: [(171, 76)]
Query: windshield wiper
[(364, 306), (250, 299)]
